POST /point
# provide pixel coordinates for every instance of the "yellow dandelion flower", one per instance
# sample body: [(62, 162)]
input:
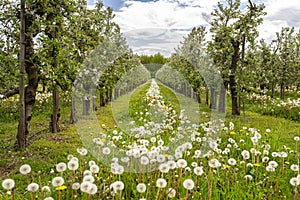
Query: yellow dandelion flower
[(256, 164), (232, 132), (62, 187), (226, 167), (103, 140), (286, 162), (166, 155)]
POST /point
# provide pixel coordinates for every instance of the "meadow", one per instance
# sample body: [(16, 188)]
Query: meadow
[(156, 149)]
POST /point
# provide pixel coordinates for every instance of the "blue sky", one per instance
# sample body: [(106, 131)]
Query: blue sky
[(152, 26)]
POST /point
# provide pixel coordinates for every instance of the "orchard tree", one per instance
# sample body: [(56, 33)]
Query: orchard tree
[(233, 30)]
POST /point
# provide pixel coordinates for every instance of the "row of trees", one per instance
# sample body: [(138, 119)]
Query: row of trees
[(50, 41), (235, 55)]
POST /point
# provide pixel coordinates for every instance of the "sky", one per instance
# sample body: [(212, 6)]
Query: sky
[(152, 26)]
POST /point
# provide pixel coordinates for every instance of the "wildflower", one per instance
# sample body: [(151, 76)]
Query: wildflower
[(270, 168), (48, 198), (82, 151), (198, 171), (94, 169), (256, 165), (141, 187), (171, 192), (85, 186), (268, 130), (274, 154), (91, 162), (172, 164), (248, 177), (231, 161), (232, 133), (274, 164), (62, 187), (181, 163), (214, 163), (294, 181), (87, 172), (92, 189), (161, 183), (75, 186), (226, 166), (297, 138), (25, 169), (57, 181), (117, 186), (33, 187), (265, 159), (61, 167), (188, 184), (294, 167), (161, 158), (144, 160), (8, 184), (106, 150), (88, 178), (245, 154), (164, 168), (46, 189)]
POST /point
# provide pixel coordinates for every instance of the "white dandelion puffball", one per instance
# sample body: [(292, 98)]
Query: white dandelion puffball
[(48, 198), (294, 167), (297, 138), (61, 167), (25, 169), (164, 168), (88, 178), (214, 163), (294, 181), (82, 151), (94, 169), (198, 171), (248, 177), (106, 151), (73, 165), (76, 186), (161, 183), (245, 154), (141, 188), (32, 187), (188, 184), (117, 186), (231, 161), (85, 186), (46, 189), (57, 181), (181, 163), (171, 192), (92, 189), (8, 184)]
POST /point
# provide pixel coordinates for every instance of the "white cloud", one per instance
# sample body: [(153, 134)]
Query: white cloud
[(160, 25), (279, 14)]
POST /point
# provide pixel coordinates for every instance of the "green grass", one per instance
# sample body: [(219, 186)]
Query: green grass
[(47, 149)]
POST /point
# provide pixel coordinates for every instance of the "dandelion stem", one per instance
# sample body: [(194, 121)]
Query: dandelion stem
[(157, 194)]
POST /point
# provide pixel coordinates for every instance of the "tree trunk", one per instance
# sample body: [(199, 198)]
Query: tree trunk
[(272, 90), (222, 99), (212, 99), (56, 111), (102, 100), (206, 95), (282, 90), (32, 75), (73, 118), (21, 137), (232, 81)]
